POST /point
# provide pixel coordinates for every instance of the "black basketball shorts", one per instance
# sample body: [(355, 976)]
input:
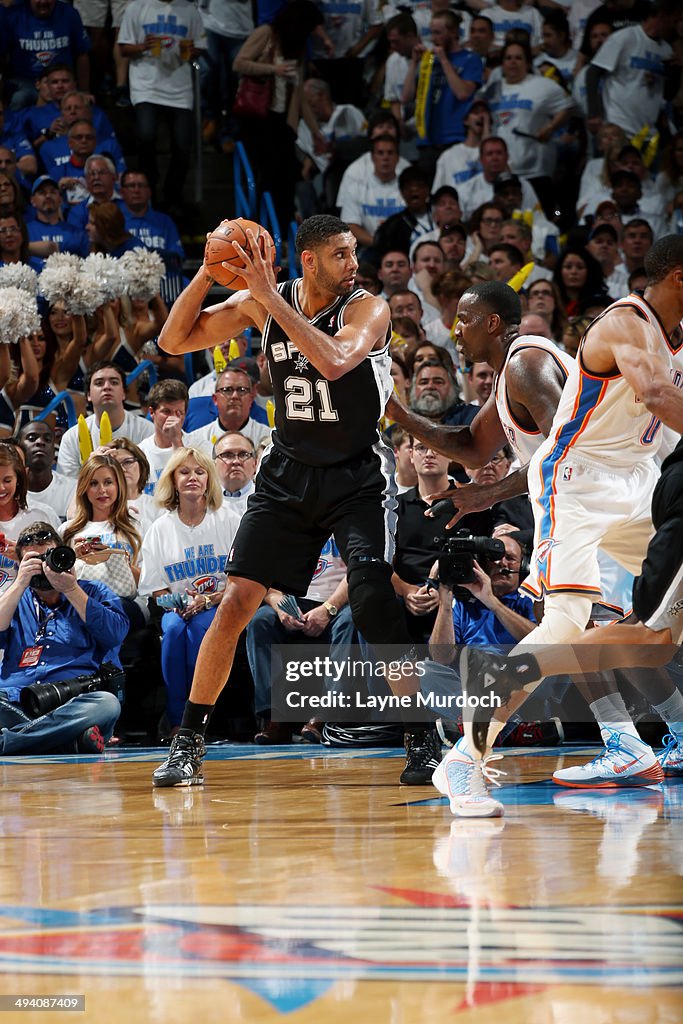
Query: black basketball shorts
[(658, 591)]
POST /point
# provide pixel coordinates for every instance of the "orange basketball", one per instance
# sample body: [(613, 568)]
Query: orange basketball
[(219, 249)]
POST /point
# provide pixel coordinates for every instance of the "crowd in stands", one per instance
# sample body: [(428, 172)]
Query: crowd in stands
[(539, 144)]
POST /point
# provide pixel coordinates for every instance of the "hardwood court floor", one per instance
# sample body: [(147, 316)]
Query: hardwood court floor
[(304, 886)]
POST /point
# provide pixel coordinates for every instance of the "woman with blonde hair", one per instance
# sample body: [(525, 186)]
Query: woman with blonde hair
[(184, 556), (103, 534)]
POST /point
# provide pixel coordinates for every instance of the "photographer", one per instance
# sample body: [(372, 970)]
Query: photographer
[(53, 628)]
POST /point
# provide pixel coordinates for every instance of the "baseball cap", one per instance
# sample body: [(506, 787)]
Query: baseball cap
[(506, 180), (43, 180), (601, 228), (248, 365)]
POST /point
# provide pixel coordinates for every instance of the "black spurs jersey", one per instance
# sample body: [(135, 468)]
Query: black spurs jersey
[(317, 421)]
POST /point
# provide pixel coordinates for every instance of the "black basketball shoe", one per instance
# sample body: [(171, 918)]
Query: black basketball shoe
[(423, 755), (483, 674), (183, 766)]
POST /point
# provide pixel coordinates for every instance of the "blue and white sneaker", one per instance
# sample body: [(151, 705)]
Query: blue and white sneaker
[(671, 758), (463, 779), (626, 761)]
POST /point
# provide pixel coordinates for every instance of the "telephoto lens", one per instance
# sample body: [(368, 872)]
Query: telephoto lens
[(60, 558)]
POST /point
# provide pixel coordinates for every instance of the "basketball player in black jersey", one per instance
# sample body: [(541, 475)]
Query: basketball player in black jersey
[(327, 472)]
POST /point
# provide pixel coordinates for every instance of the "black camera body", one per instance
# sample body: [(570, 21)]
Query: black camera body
[(60, 559), (41, 698), (456, 565)]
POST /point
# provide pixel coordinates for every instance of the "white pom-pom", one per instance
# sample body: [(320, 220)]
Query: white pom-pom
[(19, 275), (79, 292), (18, 315), (144, 269), (108, 273), (59, 260)]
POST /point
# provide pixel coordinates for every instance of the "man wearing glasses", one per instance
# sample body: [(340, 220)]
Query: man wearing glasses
[(233, 398), (53, 628), (235, 457)]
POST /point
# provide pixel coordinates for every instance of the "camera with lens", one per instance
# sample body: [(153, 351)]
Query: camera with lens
[(41, 698), (456, 565), (60, 559)]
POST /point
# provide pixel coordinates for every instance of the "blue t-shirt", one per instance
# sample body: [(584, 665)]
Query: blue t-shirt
[(33, 44), (56, 152), (68, 238), (155, 230), (475, 624), (19, 145), (445, 112)]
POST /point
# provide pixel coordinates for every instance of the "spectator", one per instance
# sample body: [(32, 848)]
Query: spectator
[(603, 245), (399, 369), (630, 66), (580, 280), (456, 75), (460, 162), (77, 106), (627, 194), (95, 16), (544, 240), (481, 381), (161, 38), (14, 243), (402, 37), (326, 619), (557, 45), (99, 179), (544, 297), (37, 440), (394, 272), (366, 277), (228, 24), (185, 552), (47, 231), (526, 113), (334, 121), (427, 352), (403, 229), (106, 228), (167, 402), (670, 178), (427, 263), (19, 144), (453, 242), (493, 156), (206, 385), (480, 39), (10, 196), (70, 627), (15, 512), (42, 32), (486, 228), (278, 51), (406, 303), (359, 170), (136, 472), (105, 389), (637, 239), (433, 394), (446, 289), (379, 197), (43, 120), (534, 323), (592, 40), (446, 208), (514, 15), (233, 398), (596, 176), (234, 457), (401, 442), (71, 334), (505, 261), (104, 535), (69, 171)]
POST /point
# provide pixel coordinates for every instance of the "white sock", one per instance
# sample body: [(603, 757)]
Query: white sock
[(610, 713), (671, 711)]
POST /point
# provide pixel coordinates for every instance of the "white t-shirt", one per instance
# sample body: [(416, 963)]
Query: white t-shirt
[(347, 122), (565, 65), (356, 175), (57, 495), (395, 74), (205, 437), (478, 190), (632, 92), (527, 18), (456, 165), (164, 80), (203, 387), (106, 533), (329, 572), (12, 528), (177, 557), (157, 458), (346, 23), (144, 511), (231, 18), (527, 106), (373, 202), (135, 428)]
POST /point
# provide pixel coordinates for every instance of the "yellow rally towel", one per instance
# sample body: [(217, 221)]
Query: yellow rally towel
[(270, 411), (106, 433), (219, 360), (84, 440), (424, 80), (517, 280), (233, 350)]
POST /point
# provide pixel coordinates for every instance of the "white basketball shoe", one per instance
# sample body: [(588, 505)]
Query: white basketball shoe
[(464, 780), (626, 761)]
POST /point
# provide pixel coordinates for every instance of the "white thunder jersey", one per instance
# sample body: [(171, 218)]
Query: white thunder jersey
[(522, 441), (599, 417)]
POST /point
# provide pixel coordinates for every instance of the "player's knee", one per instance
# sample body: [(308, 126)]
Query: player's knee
[(376, 612), (565, 617)]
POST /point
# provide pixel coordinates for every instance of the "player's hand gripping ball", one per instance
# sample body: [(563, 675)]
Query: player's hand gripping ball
[(219, 249)]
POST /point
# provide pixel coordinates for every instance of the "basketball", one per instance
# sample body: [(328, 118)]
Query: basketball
[(219, 249)]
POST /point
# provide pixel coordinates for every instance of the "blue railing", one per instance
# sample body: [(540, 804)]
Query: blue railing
[(146, 366), (245, 185), (294, 265), (62, 398)]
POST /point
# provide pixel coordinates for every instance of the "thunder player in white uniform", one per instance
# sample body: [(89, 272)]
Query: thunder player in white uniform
[(592, 479)]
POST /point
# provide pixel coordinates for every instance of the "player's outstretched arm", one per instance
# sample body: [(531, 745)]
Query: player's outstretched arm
[(477, 498), (190, 328), (472, 445)]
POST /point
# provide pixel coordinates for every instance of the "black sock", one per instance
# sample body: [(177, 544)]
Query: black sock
[(196, 717), (523, 668)]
